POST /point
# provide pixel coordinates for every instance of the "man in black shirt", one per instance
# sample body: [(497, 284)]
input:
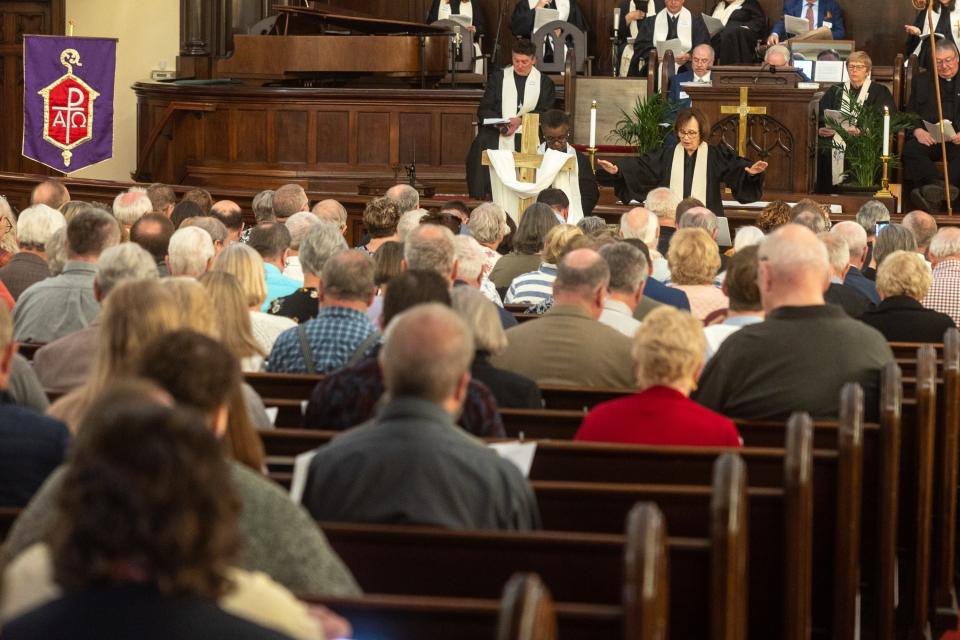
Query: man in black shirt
[(804, 352)]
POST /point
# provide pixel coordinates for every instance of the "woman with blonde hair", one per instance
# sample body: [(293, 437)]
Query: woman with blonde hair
[(511, 390), (233, 319), (694, 262), (536, 286), (246, 266), (124, 328), (668, 354), (194, 305)]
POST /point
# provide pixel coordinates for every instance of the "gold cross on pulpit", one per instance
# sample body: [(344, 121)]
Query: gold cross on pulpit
[(743, 110), (527, 160)]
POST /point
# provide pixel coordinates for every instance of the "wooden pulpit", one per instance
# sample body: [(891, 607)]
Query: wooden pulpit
[(784, 136)]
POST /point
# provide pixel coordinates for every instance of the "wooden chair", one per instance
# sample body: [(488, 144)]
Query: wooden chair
[(556, 35), (466, 59)]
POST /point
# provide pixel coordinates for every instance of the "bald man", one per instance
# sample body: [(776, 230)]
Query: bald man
[(52, 193), (333, 212), (390, 470), (229, 213), (800, 357), (568, 345), (923, 226)]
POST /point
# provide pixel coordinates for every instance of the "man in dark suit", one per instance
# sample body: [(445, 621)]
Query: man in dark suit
[(31, 445), (822, 13), (701, 60), (921, 150), (856, 239), (840, 293)]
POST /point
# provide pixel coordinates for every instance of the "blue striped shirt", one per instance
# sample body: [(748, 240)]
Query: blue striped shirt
[(333, 336), (532, 287)]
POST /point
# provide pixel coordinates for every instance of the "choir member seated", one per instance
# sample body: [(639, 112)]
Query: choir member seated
[(945, 16), (818, 13), (668, 352), (743, 26), (632, 15), (674, 22), (690, 168), (921, 151), (866, 92)]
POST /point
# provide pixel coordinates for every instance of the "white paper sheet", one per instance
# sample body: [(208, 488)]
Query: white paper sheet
[(714, 25), (829, 71), (933, 129), (795, 25), (543, 16), (301, 464), (519, 453), (670, 45)]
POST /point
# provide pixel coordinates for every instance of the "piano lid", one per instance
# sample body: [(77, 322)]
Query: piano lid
[(315, 20)]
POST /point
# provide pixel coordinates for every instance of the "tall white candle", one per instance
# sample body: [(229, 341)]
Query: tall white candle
[(616, 21), (886, 131), (593, 124)]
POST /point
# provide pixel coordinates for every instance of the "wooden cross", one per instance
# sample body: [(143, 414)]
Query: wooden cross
[(743, 110), (527, 160)]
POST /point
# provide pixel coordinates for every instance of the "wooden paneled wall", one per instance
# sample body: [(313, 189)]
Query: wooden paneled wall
[(876, 25), (16, 20)]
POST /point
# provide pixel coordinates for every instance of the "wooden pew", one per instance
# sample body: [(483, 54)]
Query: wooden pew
[(525, 611), (577, 567)]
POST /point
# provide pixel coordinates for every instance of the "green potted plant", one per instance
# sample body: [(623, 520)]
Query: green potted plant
[(647, 125), (861, 133)]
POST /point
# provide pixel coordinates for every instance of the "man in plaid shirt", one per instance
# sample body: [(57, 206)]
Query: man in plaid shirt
[(944, 294)]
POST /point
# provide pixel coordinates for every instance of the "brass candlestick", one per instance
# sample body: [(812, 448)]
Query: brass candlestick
[(592, 154), (885, 181)]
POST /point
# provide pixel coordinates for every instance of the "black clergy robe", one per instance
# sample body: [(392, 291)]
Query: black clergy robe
[(877, 96), (941, 26), (478, 20), (623, 31), (644, 43), (638, 175), (488, 137), (521, 22), (736, 43), (589, 188)]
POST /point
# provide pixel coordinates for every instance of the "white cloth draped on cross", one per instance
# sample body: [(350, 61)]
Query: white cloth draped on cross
[(508, 190)]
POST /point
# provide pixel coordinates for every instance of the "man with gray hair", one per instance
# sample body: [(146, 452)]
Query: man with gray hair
[(641, 224), (856, 238), (663, 203), (54, 307), (404, 195), (129, 206), (217, 230), (628, 275), (488, 226), (430, 247), (568, 345), (839, 293), (410, 221), (388, 470), (162, 198), (288, 200), (299, 225), (333, 212), (923, 226), (803, 353), (340, 335), (65, 363), (29, 266), (190, 252), (869, 215), (322, 242), (944, 292)]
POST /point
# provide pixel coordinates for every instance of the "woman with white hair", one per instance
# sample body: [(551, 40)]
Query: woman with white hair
[(511, 390), (668, 354), (36, 225), (903, 280), (488, 226)]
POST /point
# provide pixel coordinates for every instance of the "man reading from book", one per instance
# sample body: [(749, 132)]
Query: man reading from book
[(921, 150)]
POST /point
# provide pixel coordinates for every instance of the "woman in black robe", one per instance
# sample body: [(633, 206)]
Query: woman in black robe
[(945, 23), (736, 43), (859, 67), (479, 23), (633, 177)]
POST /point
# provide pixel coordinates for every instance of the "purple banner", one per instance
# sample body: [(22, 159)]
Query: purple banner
[(68, 100)]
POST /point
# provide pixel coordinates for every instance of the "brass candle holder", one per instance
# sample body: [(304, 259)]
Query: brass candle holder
[(885, 180)]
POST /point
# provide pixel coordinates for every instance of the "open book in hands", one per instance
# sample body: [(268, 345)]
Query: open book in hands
[(674, 45), (933, 128), (833, 117)]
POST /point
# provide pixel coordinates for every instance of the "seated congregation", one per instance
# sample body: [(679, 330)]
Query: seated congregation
[(181, 362)]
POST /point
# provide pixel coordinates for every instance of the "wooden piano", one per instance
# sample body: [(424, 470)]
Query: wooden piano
[(309, 43)]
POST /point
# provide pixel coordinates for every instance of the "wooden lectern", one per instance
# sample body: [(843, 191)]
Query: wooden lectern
[(785, 136)]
